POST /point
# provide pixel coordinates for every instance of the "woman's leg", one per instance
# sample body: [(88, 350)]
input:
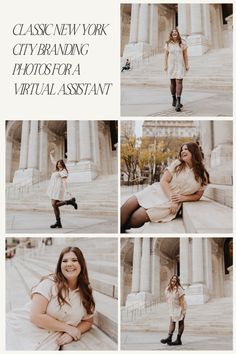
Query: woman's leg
[(127, 210), (173, 91), (179, 89), (180, 332), (168, 340), (138, 218), (57, 214)]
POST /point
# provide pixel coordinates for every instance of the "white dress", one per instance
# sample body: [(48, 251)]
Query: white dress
[(156, 202), (55, 189), (22, 334), (175, 310), (176, 67)]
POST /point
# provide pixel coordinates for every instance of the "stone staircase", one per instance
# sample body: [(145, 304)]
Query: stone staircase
[(212, 71), (98, 197), (212, 318), (27, 267)]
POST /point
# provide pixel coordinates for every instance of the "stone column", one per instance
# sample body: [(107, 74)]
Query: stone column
[(229, 42), (43, 149), (143, 30), (183, 19), (206, 140), (72, 139), (33, 145), (145, 266), (154, 26), (136, 265), (87, 170), (8, 159), (197, 259), (156, 270), (207, 22), (24, 144), (134, 24), (184, 261), (95, 144), (208, 263), (198, 43)]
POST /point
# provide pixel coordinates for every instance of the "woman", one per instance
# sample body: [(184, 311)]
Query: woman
[(177, 310), (57, 189), (183, 181), (176, 63), (62, 308)]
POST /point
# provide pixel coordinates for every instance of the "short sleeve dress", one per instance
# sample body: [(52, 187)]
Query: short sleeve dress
[(175, 310), (22, 334), (176, 67), (156, 202), (55, 188)]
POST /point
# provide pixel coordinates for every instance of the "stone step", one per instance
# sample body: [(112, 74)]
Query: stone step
[(173, 227), (207, 216), (105, 317)]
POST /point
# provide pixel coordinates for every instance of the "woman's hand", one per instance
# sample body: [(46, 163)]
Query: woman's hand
[(174, 208), (187, 67), (165, 68), (177, 198), (52, 152), (65, 338), (74, 332)]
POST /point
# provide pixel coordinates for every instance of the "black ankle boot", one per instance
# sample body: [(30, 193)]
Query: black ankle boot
[(178, 105), (177, 341), (167, 340), (72, 201), (57, 224), (174, 100)]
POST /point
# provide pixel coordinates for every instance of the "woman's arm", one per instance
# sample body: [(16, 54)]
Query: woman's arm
[(83, 327), (40, 318), (166, 60), (185, 55), (53, 161), (64, 182), (179, 198), (181, 303), (165, 185)]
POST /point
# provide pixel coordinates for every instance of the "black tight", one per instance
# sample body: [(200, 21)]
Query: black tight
[(56, 204), (172, 327), (176, 87), (132, 214)]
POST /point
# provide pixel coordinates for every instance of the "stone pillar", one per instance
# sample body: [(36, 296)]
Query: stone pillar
[(87, 170), (134, 24), (95, 144), (208, 263), (183, 19), (154, 26), (8, 159), (43, 149), (184, 261), (156, 272), (229, 41), (197, 259), (136, 265), (145, 266), (24, 144), (72, 139), (206, 140), (197, 42), (143, 30), (33, 145), (207, 22)]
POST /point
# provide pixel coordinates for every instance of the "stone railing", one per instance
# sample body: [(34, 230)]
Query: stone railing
[(18, 191), (140, 60), (132, 312)]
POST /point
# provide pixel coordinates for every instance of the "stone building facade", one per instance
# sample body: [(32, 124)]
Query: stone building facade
[(87, 147), (203, 264), (170, 128), (145, 27)]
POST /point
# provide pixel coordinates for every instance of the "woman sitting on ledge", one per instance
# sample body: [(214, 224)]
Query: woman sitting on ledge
[(61, 308), (183, 181)]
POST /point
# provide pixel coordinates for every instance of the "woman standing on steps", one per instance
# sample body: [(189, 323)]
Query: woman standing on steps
[(57, 189), (177, 310), (61, 309), (183, 181), (176, 64)]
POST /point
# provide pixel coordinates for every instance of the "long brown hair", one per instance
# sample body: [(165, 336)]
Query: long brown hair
[(83, 285), (170, 287), (63, 165), (171, 39), (200, 173)]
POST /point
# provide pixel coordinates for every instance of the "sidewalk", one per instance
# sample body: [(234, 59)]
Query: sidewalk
[(149, 100), (136, 340), (39, 222)]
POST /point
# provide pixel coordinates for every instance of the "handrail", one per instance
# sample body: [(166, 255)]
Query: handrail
[(137, 310), (136, 61)]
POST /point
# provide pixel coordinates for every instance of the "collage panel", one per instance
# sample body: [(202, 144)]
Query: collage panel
[(176, 176), (176, 59), (176, 293), (61, 293), (61, 176)]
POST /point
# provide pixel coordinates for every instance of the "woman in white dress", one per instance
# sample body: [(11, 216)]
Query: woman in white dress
[(176, 64), (57, 189), (183, 181), (61, 308), (177, 310)]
